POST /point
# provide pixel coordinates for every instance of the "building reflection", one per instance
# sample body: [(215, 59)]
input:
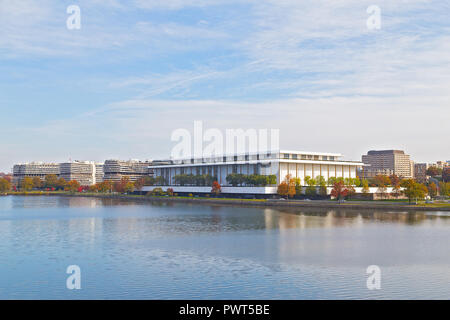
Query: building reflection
[(312, 218)]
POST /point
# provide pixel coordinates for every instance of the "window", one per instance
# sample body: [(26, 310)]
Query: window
[(224, 159), (316, 157), (246, 157), (331, 158), (286, 155), (303, 156), (235, 158), (294, 156), (324, 158)]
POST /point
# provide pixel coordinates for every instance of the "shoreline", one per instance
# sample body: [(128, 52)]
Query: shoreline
[(257, 202)]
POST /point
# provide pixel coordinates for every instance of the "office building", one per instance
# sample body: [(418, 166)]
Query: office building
[(115, 170), (86, 173), (34, 169), (387, 162)]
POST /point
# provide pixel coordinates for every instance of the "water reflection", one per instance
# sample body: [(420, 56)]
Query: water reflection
[(133, 249)]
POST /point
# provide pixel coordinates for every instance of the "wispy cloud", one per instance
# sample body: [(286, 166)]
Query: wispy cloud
[(137, 70)]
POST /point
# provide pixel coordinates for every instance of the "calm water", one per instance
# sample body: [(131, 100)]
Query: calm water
[(132, 250)]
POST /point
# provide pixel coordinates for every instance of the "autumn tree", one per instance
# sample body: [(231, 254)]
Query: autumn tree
[(26, 184), (432, 190), (434, 171), (5, 185), (382, 182), (414, 190), (120, 186), (51, 181), (216, 189), (395, 180), (283, 189), (72, 186), (139, 184), (129, 187), (105, 186), (339, 190), (61, 184), (446, 174), (37, 183)]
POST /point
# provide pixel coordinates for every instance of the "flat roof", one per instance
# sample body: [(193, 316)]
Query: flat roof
[(339, 162)]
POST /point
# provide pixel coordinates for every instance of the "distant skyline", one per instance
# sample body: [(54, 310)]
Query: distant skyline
[(138, 70)]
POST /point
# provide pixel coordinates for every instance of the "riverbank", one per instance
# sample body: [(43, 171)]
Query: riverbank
[(327, 204)]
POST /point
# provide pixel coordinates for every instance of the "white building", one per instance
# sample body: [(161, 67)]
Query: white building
[(298, 164), (34, 169), (87, 173)]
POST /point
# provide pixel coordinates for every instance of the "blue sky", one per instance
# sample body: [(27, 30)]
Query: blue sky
[(137, 70)]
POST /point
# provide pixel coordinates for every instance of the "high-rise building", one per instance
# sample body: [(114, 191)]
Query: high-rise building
[(86, 173), (387, 162), (98, 172), (420, 172), (115, 170), (34, 169)]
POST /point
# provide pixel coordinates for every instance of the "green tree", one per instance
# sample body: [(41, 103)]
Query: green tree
[(322, 186), (365, 187), (414, 190), (444, 188), (311, 186), (331, 181)]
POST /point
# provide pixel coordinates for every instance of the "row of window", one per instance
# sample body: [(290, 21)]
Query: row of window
[(257, 157), (307, 157)]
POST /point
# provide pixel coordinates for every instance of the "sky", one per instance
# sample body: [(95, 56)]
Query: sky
[(137, 70)]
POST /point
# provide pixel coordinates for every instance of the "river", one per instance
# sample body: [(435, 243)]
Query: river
[(135, 250)]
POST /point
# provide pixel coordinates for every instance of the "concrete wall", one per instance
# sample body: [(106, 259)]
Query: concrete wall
[(240, 190)]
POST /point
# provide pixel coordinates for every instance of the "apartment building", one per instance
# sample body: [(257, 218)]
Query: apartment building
[(86, 173), (99, 173), (34, 169), (420, 172), (388, 161), (115, 170)]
